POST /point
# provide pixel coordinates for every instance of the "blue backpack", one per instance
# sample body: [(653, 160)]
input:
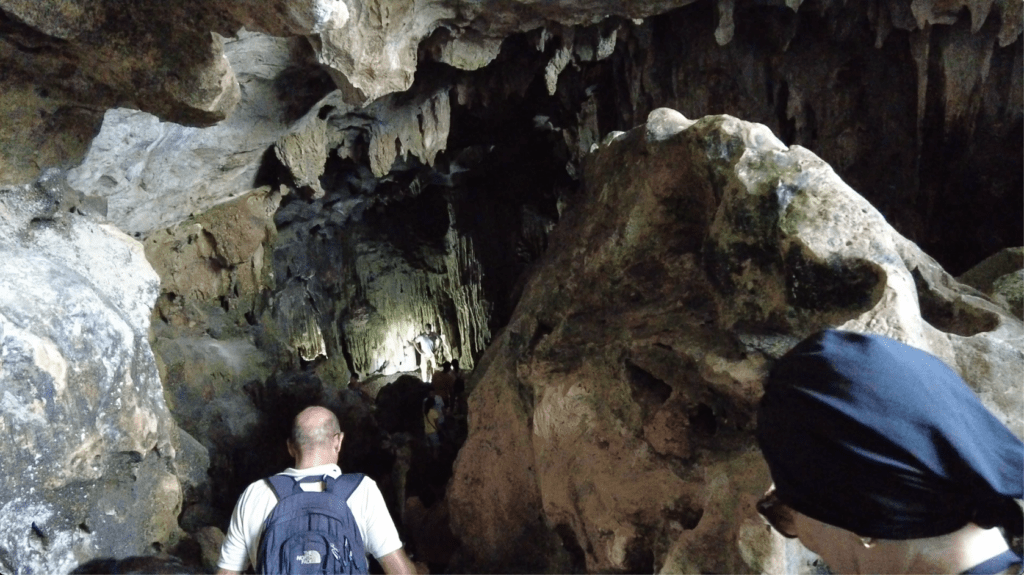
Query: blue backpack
[(312, 531)]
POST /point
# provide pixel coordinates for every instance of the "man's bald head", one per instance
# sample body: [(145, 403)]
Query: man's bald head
[(314, 428)]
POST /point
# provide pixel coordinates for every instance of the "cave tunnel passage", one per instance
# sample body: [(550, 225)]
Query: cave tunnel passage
[(497, 183)]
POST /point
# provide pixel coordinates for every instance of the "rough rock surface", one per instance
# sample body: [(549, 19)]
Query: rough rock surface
[(382, 320), (155, 173), (880, 92), (420, 154), (369, 46), (1001, 277), (877, 91), (219, 255), (611, 421), (165, 58), (89, 465), (40, 131), (268, 301)]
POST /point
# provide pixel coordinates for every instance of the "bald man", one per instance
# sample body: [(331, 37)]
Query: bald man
[(315, 444)]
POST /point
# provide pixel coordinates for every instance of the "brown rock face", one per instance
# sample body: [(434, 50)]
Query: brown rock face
[(612, 418), (1000, 277), (215, 256), (162, 56)]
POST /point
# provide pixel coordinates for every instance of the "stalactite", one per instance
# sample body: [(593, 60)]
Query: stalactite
[(303, 150), (393, 127), (298, 319), (726, 26), (558, 63), (309, 341), (966, 59), (469, 50), (399, 129), (920, 48)]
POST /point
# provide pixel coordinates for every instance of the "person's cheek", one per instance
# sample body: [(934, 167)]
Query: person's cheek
[(823, 540)]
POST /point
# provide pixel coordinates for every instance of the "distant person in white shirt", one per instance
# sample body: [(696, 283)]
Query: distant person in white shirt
[(315, 444), (426, 343)]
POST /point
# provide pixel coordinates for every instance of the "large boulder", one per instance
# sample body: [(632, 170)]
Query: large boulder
[(611, 421), (89, 464)]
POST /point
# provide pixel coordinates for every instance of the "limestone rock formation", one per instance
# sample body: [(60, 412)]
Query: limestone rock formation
[(163, 56), (89, 464), (1001, 277), (155, 173), (269, 300), (215, 272), (380, 326), (611, 421), (391, 129), (217, 256)]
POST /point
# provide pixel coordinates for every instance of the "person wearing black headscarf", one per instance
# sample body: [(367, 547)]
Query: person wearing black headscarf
[(883, 460)]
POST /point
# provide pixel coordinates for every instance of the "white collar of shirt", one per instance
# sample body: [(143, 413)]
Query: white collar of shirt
[(327, 469)]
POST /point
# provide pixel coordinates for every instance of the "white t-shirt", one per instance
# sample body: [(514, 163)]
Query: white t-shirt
[(426, 343), (257, 501)]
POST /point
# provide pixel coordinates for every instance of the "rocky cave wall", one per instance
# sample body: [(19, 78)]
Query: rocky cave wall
[(315, 181), (92, 462)]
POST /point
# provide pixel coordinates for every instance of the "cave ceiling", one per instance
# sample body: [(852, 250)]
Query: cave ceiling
[(412, 119)]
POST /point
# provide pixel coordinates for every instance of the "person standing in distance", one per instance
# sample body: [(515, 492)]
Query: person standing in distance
[(315, 444), (425, 345), (443, 384)]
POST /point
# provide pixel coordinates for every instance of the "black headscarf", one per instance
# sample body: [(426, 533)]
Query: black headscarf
[(884, 440)]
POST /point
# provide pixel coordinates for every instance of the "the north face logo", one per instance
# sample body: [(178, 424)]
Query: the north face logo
[(310, 557)]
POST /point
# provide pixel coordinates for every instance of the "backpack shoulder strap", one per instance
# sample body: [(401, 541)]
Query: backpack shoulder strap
[(344, 485), (282, 485)]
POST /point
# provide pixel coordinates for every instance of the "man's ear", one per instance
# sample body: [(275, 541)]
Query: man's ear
[(291, 449), (341, 438)]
